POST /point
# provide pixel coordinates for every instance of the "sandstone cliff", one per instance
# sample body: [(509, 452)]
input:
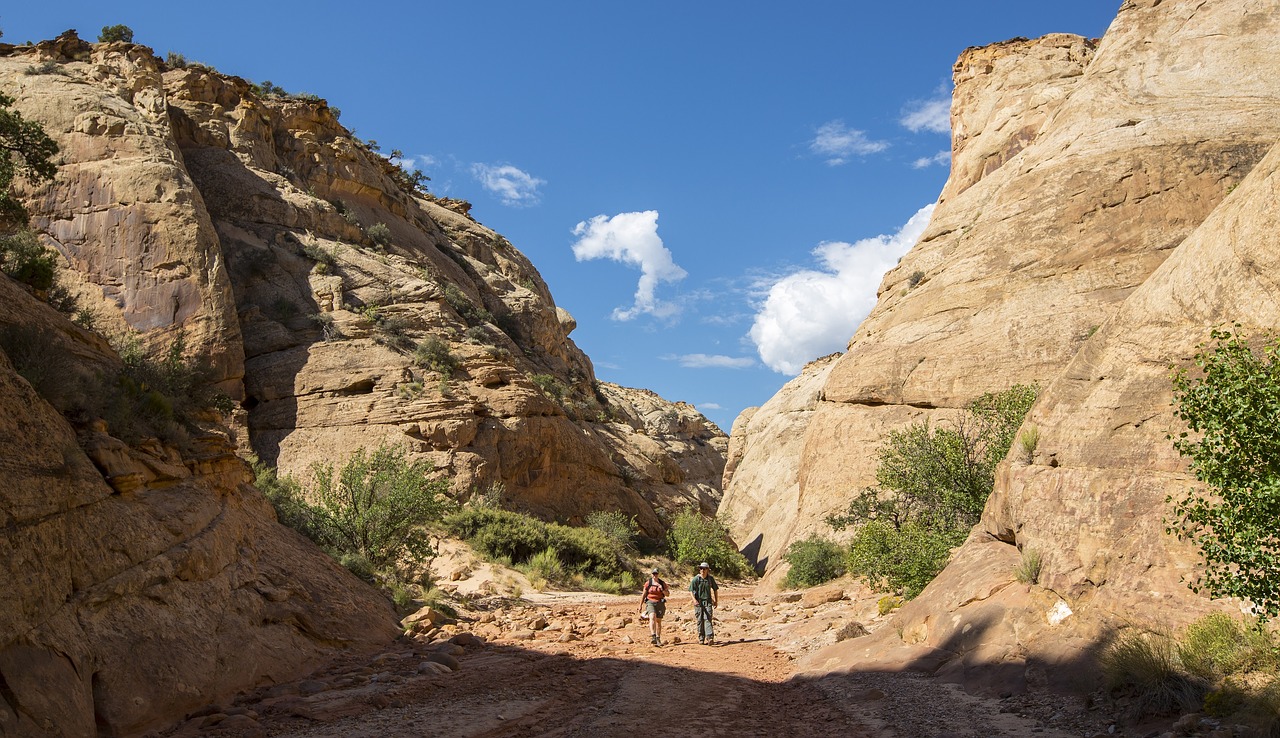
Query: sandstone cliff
[(342, 308), (1098, 220)]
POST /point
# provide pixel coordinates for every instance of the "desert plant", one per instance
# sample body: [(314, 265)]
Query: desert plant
[(376, 505), (25, 149), (175, 60), (45, 67), (516, 538), (545, 566), (1146, 665), (324, 258), (118, 32), (813, 561), (434, 355), (916, 277), (25, 259), (694, 538), (328, 328), (851, 629), (888, 604), (615, 525), (932, 484), (1028, 439), (1028, 570), (1218, 646), (462, 305), (1232, 407), (550, 386), (379, 234)]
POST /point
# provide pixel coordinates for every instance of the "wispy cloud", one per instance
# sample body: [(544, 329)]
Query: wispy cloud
[(713, 361), (632, 238), (928, 115), (709, 406), (837, 143), (419, 162), (810, 313), (512, 185), (941, 158)]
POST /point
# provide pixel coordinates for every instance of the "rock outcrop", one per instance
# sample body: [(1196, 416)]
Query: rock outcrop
[(1096, 224), (141, 583)]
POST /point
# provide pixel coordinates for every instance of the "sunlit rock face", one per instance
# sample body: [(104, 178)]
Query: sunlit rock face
[(1108, 203)]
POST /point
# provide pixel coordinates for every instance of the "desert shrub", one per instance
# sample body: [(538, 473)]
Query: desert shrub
[(903, 559), (606, 586), (45, 364), (25, 259), (813, 561), (25, 149), (174, 60), (931, 486), (478, 334), (1028, 440), (118, 32), (1218, 646), (324, 258), (888, 604), (360, 566), (328, 328), (376, 505), (45, 67), (916, 277), (694, 538), (517, 538), (1232, 405), (434, 355), (285, 496), (1146, 665), (615, 525), (1028, 570), (851, 629), (543, 567), (379, 234), (462, 305), (550, 386)]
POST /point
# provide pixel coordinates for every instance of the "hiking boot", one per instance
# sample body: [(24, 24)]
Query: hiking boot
[(702, 641), (654, 640)]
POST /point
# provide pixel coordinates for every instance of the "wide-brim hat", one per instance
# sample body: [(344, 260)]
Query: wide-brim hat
[(704, 565)]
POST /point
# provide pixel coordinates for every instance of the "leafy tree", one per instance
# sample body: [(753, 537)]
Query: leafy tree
[(118, 32), (931, 486), (813, 561), (375, 506), (24, 258), (1233, 408), (694, 539), (24, 149)]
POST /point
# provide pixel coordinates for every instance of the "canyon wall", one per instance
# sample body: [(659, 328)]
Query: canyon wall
[(1106, 207)]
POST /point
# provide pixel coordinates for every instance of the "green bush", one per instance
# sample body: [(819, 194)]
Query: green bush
[(544, 567), (813, 561), (30, 262), (1219, 646), (694, 538), (550, 386), (931, 486), (24, 149), (462, 305), (1028, 570), (434, 355), (1232, 408), (119, 32), (379, 234), (376, 505), (616, 526), (504, 534), (586, 550)]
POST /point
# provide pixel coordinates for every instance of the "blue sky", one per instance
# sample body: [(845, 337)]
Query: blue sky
[(712, 189)]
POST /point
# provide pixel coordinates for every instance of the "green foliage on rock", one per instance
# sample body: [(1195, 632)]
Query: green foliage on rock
[(518, 538), (25, 150), (1232, 411), (118, 32), (813, 561), (931, 486), (376, 505), (434, 354), (25, 259), (694, 538), (616, 525)]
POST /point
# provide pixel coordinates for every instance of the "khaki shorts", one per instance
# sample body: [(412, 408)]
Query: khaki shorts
[(655, 608)]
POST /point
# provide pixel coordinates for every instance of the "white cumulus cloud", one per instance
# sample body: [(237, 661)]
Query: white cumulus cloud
[(512, 185), (928, 115), (940, 158), (837, 142), (631, 238), (709, 406), (811, 313), (714, 361)]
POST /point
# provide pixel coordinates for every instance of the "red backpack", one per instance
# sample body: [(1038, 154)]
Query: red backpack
[(655, 592)]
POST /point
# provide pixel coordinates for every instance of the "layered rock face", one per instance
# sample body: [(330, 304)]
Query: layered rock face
[(1089, 236), (141, 583), (343, 307)]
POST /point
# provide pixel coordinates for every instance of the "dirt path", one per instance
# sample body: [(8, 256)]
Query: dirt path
[(583, 666)]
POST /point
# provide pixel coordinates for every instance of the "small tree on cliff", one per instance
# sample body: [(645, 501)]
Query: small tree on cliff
[(931, 486), (25, 150), (118, 32), (1233, 405)]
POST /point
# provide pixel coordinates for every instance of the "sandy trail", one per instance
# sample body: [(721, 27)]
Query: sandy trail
[(608, 683)]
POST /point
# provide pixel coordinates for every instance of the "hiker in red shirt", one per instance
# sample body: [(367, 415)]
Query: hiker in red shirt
[(653, 604)]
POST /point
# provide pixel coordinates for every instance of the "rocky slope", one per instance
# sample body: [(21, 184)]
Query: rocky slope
[(340, 308), (1107, 205)]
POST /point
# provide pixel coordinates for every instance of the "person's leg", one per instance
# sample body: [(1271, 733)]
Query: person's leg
[(711, 635)]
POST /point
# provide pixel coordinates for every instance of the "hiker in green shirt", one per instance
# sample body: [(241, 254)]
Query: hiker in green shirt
[(706, 595)]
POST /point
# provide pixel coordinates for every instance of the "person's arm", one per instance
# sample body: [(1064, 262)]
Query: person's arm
[(715, 593)]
